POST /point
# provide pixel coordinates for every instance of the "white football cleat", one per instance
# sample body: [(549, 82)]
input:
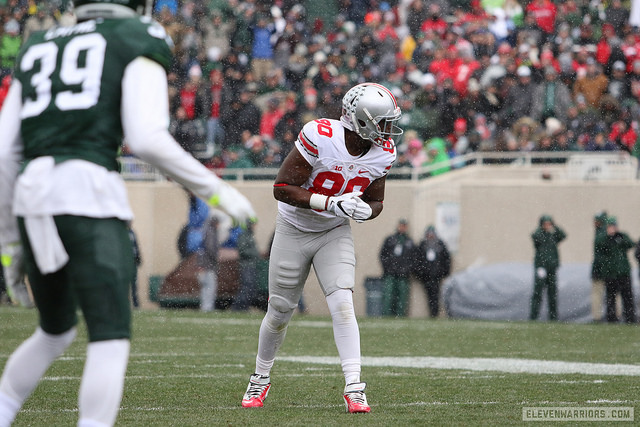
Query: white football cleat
[(257, 391), (355, 399)]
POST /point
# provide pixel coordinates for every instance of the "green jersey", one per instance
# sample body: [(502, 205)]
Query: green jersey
[(71, 86)]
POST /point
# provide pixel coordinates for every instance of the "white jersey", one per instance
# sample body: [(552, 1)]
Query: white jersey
[(335, 171)]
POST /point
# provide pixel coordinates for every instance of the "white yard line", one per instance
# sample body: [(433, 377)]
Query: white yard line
[(513, 366), (508, 365), (519, 366)]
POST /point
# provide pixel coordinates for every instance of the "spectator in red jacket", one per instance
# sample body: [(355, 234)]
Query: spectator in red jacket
[(434, 21), (544, 13), (477, 15), (464, 69), (623, 136), (270, 118), (631, 49), (192, 96), (604, 46)]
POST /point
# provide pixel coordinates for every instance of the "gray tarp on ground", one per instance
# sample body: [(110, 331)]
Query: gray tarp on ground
[(503, 292)]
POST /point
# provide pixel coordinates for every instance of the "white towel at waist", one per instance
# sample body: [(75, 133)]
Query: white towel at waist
[(72, 187), (32, 190), (46, 245)]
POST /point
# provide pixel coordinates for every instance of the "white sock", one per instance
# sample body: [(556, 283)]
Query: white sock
[(272, 332), (346, 333), (102, 382), (8, 409), (27, 365)]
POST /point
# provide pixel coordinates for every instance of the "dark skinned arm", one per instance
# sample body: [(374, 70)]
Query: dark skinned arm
[(374, 195), (295, 171)]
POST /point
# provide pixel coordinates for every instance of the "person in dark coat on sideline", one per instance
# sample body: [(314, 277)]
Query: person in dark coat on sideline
[(396, 258), (432, 263), (616, 270), (597, 282), (547, 260)]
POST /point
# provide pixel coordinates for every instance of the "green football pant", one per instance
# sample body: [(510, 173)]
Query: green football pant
[(96, 279), (550, 283)]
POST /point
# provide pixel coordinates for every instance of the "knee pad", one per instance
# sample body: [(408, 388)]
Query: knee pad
[(276, 319), (280, 304)]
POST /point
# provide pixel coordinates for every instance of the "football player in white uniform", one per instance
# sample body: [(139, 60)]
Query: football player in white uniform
[(336, 173)]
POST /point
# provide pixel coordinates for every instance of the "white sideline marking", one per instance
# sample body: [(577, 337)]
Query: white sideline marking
[(519, 366)]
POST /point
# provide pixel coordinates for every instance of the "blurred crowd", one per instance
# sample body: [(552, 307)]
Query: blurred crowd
[(469, 75)]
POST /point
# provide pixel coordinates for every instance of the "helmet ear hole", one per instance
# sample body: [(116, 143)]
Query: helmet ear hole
[(362, 123)]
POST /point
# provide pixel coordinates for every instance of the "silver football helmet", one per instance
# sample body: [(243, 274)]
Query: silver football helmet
[(371, 111)]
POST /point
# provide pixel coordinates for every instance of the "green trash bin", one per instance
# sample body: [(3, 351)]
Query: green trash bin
[(155, 282), (374, 287)]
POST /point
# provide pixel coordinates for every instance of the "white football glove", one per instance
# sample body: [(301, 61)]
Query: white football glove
[(362, 211), (348, 205), (233, 203), (12, 258), (344, 205)]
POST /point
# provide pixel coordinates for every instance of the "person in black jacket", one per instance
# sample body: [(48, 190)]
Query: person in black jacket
[(616, 270), (597, 280), (432, 263), (396, 259), (242, 114)]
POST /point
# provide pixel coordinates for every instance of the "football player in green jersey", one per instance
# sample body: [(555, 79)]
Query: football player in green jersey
[(77, 92)]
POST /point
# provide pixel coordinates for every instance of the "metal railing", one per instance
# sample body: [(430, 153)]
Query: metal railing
[(583, 166)]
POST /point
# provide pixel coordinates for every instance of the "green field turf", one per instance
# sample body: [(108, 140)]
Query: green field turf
[(190, 369)]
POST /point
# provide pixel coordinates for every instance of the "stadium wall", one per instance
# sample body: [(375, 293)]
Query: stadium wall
[(498, 209)]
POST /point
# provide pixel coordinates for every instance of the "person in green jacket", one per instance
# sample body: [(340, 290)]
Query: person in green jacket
[(10, 43), (546, 262), (437, 151), (616, 270)]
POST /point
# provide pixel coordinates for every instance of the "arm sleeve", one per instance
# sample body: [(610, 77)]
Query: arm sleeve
[(535, 236), (145, 121), (10, 158), (628, 243)]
